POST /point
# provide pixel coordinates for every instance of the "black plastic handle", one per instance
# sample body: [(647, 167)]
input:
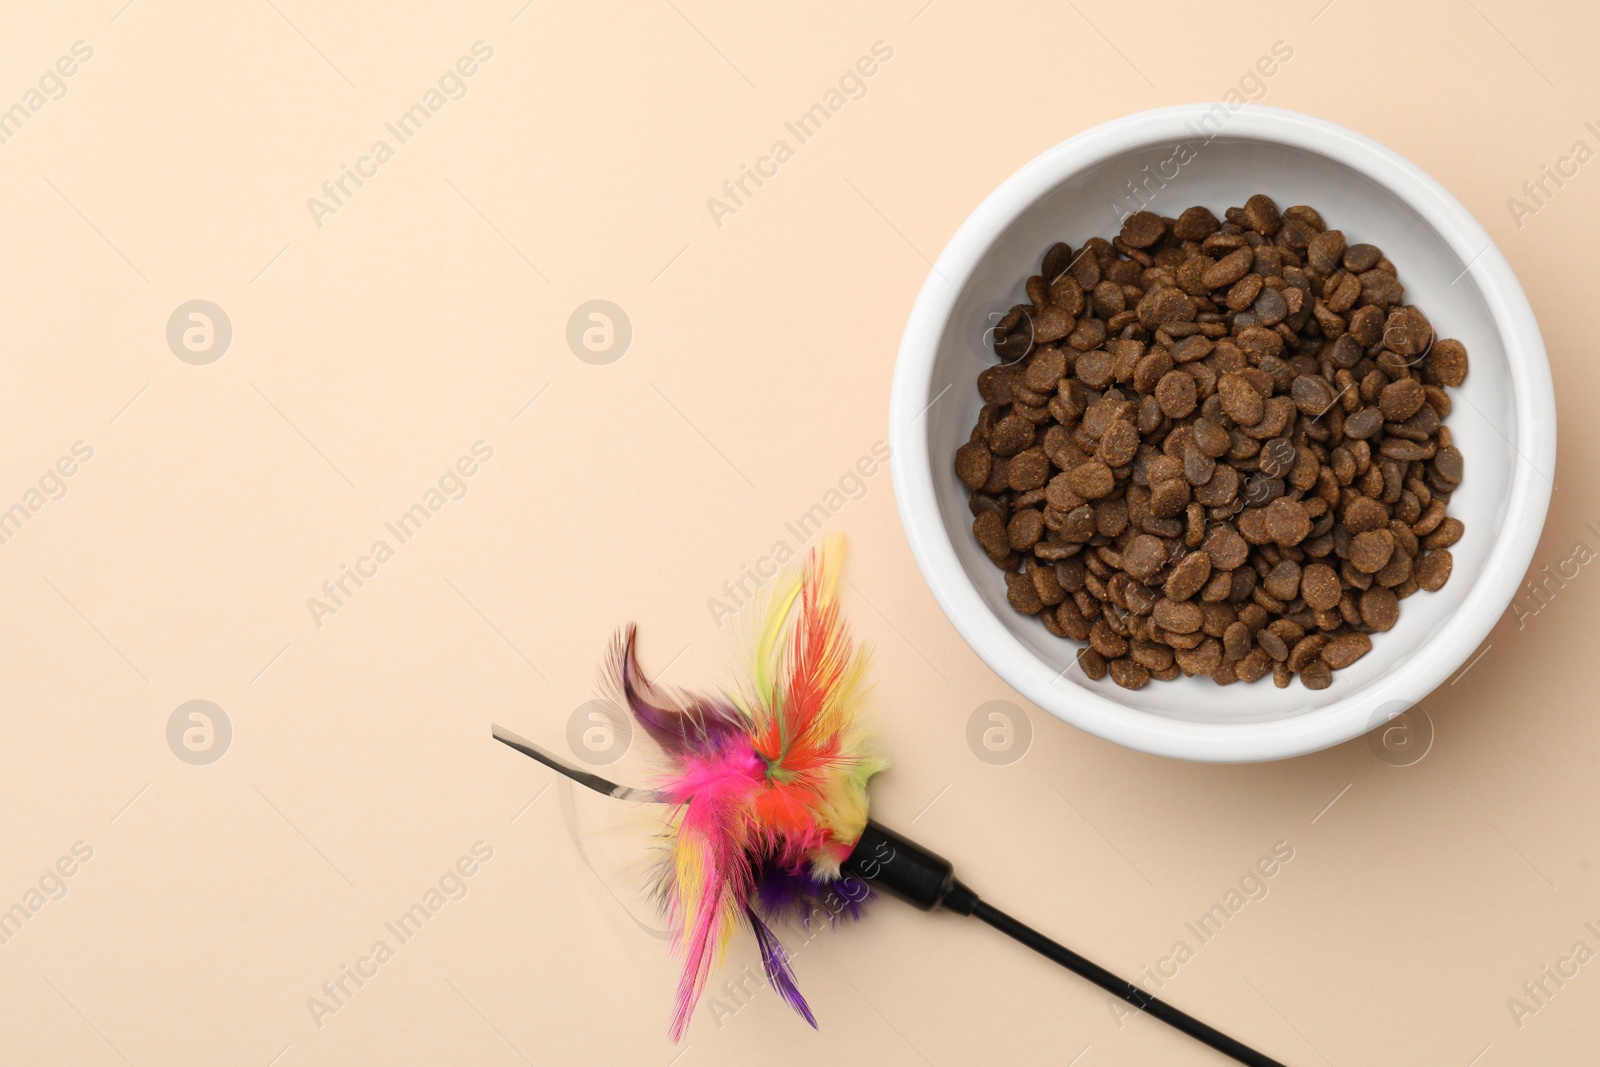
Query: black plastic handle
[(904, 869)]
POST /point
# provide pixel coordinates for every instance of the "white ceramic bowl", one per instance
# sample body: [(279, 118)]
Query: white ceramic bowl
[(1503, 418)]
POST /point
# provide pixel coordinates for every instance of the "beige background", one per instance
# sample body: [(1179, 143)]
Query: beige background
[(372, 351)]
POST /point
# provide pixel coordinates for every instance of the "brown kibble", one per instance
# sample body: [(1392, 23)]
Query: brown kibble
[(1095, 369), (1071, 572), (1379, 608), (1407, 331), (1197, 466), (1370, 551), (1254, 666), (1046, 367), (1305, 650), (1092, 479), (1148, 371), (1258, 343), (1176, 617), (990, 531), (1188, 576), (1287, 522), (1345, 650), (1252, 524), (1363, 424), (1270, 307), (1021, 594), (1046, 584), (1226, 548), (1013, 338), (1261, 215), (1449, 360), (1087, 335), (1403, 450), (1059, 495), (1184, 642), (1143, 229), (1397, 571), (1316, 675), (1067, 294), (1078, 525), (1362, 257), (1236, 640), (1220, 490), (1218, 587), (972, 464), (1312, 395), (1277, 458), (1283, 581), (1118, 444), (1025, 529), (1195, 224), (1051, 325), (1244, 292), (1028, 470), (1196, 346), (1144, 556), (1129, 673), (1056, 260), (1447, 466), (1110, 300), (1110, 517), (1149, 654), (1448, 533), (1071, 620), (1106, 641), (1288, 629), (1400, 400), (1229, 269), (1176, 393), (1093, 664), (1011, 435), (1163, 468), (1380, 287), (994, 384), (1168, 499), (1325, 250), (1277, 411), (1216, 449), (1273, 645), (1342, 297), (1203, 658), (1363, 514), (1319, 584), (1432, 569), (1209, 437), (1240, 400), (1302, 222)]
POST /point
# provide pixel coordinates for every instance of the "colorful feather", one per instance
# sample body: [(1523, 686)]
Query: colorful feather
[(767, 788)]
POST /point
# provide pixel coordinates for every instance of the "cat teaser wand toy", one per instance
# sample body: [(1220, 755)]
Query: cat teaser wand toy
[(767, 806)]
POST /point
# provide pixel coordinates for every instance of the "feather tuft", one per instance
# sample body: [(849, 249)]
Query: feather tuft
[(768, 789)]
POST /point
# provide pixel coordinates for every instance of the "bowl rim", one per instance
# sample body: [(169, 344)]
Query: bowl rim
[(1416, 676)]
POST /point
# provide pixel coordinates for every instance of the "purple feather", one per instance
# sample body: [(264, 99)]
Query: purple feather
[(776, 960), (800, 894), (680, 731)]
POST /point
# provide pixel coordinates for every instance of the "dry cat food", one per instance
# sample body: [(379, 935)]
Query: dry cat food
[(1216, 447)]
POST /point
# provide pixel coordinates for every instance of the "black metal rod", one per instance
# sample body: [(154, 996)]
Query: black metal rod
[(904, 869), (604, 786), (1103, 978)]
